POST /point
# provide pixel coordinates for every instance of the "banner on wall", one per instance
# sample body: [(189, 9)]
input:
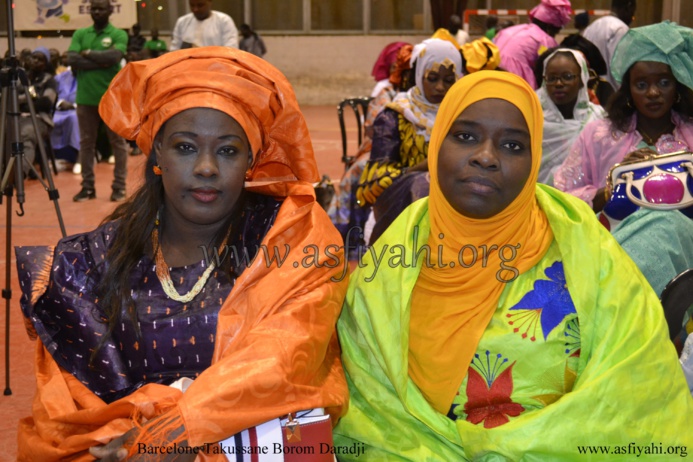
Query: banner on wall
[(39, 15)]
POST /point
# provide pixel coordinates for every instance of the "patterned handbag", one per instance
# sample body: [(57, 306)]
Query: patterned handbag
[(303, 436), (661, 182)]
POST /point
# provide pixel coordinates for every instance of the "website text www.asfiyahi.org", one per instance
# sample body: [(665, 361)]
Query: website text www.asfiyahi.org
[(395, 255)]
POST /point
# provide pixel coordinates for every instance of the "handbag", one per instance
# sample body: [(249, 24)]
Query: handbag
[(659, 182), (305, 436)]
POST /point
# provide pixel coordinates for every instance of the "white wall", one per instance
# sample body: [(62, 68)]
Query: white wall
[(323, 69)]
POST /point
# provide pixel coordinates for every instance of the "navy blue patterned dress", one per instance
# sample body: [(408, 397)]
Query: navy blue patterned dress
[(177, 339)]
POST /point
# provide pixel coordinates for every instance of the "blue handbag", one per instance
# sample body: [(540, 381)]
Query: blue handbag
[(661, 182)]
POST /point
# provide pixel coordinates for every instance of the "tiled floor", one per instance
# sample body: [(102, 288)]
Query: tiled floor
[(40, 226)]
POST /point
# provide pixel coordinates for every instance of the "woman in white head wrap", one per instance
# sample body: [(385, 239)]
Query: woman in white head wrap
[(566, 105), (396, 174)]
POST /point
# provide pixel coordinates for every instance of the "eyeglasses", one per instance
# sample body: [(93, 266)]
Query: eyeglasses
[(565, 78)]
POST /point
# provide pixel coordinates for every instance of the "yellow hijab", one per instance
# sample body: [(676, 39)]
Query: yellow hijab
[(451, 307)]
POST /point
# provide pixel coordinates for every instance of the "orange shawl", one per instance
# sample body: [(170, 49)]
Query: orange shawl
[(276, 350), (451, 307)]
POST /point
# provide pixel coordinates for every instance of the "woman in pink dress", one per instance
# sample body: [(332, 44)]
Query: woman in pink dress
[(521, 45), (651, 111)]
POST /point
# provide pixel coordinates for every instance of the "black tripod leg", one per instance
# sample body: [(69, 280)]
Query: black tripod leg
[(5, 158), (7, 291)]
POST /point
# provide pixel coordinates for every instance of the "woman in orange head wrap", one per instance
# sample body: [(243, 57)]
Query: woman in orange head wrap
[(124, 311), (489, 320)]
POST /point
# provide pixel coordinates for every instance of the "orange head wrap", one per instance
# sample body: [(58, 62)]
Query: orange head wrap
[(402, 64), (145, 94), (451, 306)]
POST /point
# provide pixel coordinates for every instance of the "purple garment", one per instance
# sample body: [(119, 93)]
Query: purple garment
[(520, 47), (177, 339), (405, 189), (408, 188), (66, 130), (600, 146)]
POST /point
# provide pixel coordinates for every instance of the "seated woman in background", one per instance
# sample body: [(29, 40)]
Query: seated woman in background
[(125, 310), (599, 87), (65, 133), (347, 215), (566, 106), (396, 174), (651, 110), (43, 91), (384, 66), (399, 80), (494, 339)]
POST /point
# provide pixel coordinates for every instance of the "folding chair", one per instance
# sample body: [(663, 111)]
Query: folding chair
[(360, 107)]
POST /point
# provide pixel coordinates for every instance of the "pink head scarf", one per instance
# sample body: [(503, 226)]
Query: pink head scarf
[(554, 12), (387, 57)]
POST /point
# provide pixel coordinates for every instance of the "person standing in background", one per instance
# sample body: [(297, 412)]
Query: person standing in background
[(491, 26), (251, 42), (582, 20), (136, 43), (521, 45), (457, 31), (94, 56), (607, 31), (155, 47), (204, 27)]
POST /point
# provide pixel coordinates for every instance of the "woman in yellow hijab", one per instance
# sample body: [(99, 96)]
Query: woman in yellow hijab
[(489, 321)]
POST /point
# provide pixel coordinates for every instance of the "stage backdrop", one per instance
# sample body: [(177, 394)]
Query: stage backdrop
[(68, 14)]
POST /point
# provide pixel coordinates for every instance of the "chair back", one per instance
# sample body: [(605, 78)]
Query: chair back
[(676, 298), (360, 109)]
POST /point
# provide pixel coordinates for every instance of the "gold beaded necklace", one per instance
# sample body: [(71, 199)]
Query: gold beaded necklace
[(164, 276)]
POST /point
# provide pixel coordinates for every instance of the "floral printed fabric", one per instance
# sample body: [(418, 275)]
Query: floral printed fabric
[(396, 145), (528, 356)]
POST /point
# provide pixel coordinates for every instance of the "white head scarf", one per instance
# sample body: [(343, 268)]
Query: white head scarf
[(428, 55), (560, 133)]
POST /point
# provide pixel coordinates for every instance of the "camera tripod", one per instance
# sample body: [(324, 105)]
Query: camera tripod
[(13, 163)]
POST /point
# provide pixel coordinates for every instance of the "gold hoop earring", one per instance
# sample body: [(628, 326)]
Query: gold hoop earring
[(628, 104), (678, 97)]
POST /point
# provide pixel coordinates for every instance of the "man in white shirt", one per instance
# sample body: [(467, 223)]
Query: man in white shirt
[(456, 30), (607, 31), (204, 27)]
